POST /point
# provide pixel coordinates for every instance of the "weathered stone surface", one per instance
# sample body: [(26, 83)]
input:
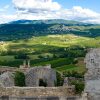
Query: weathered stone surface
[(37, 91), (33, 91), (66, 81), (33, 75), (7, 79), (92, 77)]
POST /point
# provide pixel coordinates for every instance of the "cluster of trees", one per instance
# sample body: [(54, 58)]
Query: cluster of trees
[(73, 74), (11, 63), (59, 57), (73, 51), (22, 56)]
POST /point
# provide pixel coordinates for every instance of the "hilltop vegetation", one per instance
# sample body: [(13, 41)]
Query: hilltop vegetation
[(24, 29)]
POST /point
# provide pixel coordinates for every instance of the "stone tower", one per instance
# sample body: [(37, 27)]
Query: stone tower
[(92, 77)]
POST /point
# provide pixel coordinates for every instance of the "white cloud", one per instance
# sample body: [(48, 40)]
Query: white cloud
[(4, 18), (36, 5), (81, 14), (47, 9)]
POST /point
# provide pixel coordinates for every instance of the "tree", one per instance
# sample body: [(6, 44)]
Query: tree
[(22, 56)]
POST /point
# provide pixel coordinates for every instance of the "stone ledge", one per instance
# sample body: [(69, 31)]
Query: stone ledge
[(37, 91)]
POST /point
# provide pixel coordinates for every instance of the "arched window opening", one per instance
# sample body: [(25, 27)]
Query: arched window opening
[(42, 83)]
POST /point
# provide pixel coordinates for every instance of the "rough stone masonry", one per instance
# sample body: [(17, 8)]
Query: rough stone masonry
[(34, 75), (7, 79), (32, 91), (92, 77)]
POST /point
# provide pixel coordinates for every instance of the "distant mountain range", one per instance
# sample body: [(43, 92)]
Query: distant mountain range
[(53, 21), (23, 29)]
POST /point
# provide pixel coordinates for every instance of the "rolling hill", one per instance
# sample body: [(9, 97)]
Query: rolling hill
[(24, 29)]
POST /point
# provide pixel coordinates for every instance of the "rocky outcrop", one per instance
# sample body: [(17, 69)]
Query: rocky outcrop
[(92, 77)]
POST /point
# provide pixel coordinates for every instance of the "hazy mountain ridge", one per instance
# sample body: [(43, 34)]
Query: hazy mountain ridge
[(23, 29), (52, 21)]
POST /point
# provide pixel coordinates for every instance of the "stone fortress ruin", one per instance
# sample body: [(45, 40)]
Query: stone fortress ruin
[(46, 75), (35, 91), (33, 77), (92, 77)]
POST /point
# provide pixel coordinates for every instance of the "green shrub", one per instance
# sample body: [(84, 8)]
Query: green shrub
[(73, 74), (22, 56), (60, 79), (19, 79), (79, 86)]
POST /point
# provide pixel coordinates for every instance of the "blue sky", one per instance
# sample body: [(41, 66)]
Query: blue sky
[(91, 4), (80, 10)]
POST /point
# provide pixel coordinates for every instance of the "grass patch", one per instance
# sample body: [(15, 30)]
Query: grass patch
[(71, 68)]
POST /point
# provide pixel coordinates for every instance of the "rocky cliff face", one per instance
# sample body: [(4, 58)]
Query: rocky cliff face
[(92, 77)]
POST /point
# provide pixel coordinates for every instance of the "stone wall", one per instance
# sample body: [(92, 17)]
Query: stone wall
[(33, 75), (23, 69), (92, 77), (37, 91), (6, 69), (7, 79)]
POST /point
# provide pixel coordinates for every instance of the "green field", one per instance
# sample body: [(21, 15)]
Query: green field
[(58, 50)]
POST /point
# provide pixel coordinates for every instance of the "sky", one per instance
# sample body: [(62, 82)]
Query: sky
[(78, 10)]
